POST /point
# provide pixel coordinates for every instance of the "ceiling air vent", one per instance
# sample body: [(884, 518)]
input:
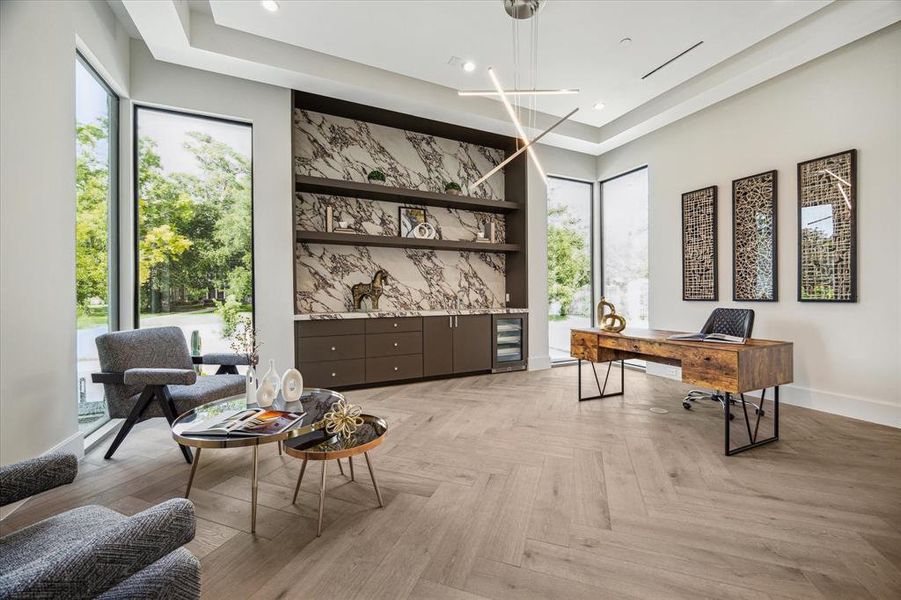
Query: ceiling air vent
[(680, 55)]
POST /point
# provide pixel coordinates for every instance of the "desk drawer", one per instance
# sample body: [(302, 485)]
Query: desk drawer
[(393, 344), (335, 347), (388, 368), (385, 325), (333, 373), (716, 369)]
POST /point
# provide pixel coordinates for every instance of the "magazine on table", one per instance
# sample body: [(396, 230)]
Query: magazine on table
[(722, 338), (248, 422)]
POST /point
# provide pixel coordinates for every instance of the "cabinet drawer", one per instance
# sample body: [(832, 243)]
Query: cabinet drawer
[(393, 344), (327, 327), (333, 373), (334, 347), (387, 368), (384, 325)]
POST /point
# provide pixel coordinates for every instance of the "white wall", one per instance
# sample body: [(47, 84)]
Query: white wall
[(847, 357), (564, 163), (268, 108), (38, 399)]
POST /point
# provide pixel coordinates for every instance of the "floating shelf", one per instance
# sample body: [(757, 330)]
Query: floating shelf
[(385, 241), (374, 191)]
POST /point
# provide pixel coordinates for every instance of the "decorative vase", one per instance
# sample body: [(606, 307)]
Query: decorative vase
[(250, 385), (292, 385), (269, 386)]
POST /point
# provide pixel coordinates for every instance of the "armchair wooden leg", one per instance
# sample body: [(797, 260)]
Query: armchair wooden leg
[(168, 406), (135, 414)]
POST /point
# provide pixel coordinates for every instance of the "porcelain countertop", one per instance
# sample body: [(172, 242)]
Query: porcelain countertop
[(389, 314)]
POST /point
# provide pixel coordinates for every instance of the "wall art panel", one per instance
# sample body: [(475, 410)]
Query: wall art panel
[(699, 256), (827, 221), (754, 267)]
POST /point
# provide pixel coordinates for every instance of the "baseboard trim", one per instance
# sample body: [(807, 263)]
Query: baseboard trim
[(104, 431), (854, 407)]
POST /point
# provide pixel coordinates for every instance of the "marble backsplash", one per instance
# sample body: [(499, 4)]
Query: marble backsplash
[(347, 149), (340, 148), (418, 279)]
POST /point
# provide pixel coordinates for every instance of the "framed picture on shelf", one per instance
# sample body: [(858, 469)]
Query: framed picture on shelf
[(754, 265), (410, 218), (699, 269), (827, 223)]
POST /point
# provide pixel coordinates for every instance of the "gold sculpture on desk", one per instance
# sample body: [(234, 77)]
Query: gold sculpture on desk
[(611, 321)]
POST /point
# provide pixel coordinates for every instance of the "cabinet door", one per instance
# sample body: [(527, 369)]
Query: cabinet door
[(472, 343), (437, 346)]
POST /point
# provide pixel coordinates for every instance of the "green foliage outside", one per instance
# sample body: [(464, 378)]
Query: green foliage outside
[(568, 264), (194, 231)]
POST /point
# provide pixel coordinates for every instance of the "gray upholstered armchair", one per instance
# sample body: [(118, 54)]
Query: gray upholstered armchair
[(150, 373), (92, 551)]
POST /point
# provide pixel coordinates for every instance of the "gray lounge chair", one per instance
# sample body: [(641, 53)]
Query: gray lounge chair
[(92, 551), (150, 373)]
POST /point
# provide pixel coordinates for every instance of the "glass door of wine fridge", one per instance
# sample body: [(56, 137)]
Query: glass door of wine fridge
[(510, 342)]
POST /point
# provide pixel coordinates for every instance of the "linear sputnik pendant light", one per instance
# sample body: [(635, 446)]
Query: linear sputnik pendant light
[(521, 10)]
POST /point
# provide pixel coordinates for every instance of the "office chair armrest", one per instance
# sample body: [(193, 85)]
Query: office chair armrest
[(159, 377), (30, 477)]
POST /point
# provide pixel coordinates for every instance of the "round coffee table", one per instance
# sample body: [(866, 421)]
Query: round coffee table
[(315, 402), (369, 435)]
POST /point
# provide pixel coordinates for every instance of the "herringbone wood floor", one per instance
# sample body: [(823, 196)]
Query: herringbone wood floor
[(504, 486)]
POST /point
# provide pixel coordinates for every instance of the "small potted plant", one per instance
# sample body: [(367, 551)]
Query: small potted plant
[(376, 176), (452, 188)]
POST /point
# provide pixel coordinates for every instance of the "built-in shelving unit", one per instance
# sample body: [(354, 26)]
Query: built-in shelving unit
[(373, 191), (351, 239)]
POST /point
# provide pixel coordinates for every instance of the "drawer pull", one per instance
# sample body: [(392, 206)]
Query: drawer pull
[(333, 348), (707, 358), (395, 368), (395, 324), (333, 374), (395, 344)]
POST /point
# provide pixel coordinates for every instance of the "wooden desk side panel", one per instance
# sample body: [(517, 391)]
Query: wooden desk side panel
[(583, 345), (765, 367)]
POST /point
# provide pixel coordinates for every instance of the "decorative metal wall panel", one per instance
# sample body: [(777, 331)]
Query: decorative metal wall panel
[(754, 267), (827, 221), (699, 256)]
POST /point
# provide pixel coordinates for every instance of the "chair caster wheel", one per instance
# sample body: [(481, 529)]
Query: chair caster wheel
[(760, 411), (686, 405), (731, 416)]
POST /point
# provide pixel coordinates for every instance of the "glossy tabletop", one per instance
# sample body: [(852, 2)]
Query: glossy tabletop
[(319, 445), (315, 402)]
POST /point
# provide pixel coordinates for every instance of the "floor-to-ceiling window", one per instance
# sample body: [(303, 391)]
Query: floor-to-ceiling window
[(194, 230), (569, 261), (624, 244), (96, 150)]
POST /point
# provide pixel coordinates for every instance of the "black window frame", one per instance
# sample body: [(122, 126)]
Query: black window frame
[(136, 292)]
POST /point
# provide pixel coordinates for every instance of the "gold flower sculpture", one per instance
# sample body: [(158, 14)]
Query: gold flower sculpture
[(343, 419)]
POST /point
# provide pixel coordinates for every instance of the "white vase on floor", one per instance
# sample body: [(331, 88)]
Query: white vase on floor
[(270, 383)]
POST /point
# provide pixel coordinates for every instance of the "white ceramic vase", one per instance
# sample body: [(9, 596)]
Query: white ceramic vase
[(292, 385), (269, 386), (250, 385)]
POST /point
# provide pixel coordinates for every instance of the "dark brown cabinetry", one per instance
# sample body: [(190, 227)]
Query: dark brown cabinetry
[(351, 352), (472, 343)]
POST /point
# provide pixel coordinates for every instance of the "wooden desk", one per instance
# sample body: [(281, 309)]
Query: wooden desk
[(728, 368)]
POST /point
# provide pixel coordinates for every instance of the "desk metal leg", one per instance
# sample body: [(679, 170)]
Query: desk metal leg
[(602, 390), (753, 442)]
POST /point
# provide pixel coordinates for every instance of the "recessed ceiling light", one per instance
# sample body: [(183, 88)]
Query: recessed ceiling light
[(599, 106), (469, 66), (270, 5)]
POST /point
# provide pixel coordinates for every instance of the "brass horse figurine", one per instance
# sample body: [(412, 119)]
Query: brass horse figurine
[(611, 321), (373, 290)]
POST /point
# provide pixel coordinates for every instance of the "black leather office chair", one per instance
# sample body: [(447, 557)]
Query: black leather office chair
[(730, 321)]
